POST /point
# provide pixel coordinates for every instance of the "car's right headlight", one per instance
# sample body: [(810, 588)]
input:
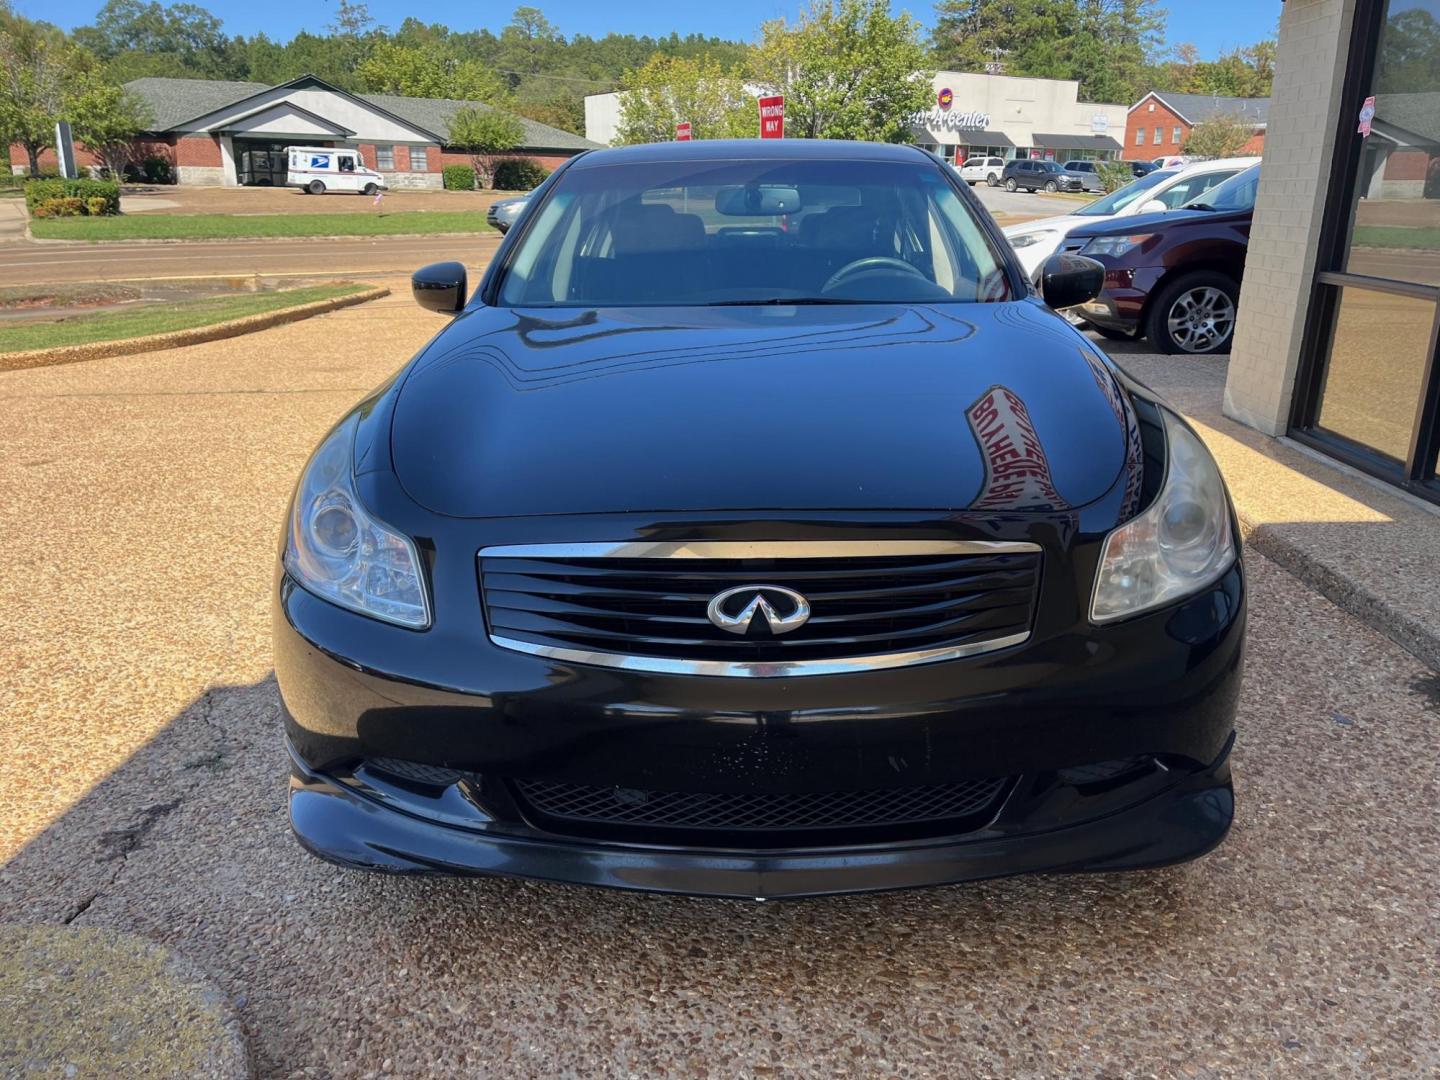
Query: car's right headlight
[(1025, 240), (1177, 547), (336, 550), (1114, 245)]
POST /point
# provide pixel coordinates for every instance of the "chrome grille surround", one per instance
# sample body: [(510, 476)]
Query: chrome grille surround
[(1017, 563)]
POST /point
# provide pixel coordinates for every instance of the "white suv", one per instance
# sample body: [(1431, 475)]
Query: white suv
[(987, 169), (1164, 189)]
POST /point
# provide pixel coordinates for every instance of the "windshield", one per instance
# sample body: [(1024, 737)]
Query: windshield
[(752, 232), (1123, 197), (1237, 193)]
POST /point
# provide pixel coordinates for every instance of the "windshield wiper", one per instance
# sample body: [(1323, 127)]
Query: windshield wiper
[(784, 301)]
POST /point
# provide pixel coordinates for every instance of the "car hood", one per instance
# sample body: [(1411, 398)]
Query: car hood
[(516, 412), (1049, 224), (1137, 223)]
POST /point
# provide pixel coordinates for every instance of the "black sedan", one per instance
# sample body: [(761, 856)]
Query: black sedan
[(754, 530)]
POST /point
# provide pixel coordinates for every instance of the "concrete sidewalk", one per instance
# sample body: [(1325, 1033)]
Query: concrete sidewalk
[(1373, 551), (13, 220)]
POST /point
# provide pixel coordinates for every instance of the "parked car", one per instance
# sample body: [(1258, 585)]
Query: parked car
[(985, 170), (1033, 175), (503, 213), (1088, 172), (755, 530), (1174, 277), (1141, 168), (318, 169), (1166, 189)]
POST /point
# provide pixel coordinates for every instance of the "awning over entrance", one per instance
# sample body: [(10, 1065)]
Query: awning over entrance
[(1075, 142), (985, 138)]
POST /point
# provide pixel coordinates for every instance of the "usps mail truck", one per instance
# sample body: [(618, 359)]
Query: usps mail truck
[(318, 169)]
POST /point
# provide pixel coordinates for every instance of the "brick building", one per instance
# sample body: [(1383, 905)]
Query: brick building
[(1158, 124), (210, 131)]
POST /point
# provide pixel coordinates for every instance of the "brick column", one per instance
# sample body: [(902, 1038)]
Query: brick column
[(1280, 266)]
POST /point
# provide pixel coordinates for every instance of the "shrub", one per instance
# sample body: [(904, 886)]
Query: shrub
[(157, 170), (1114, 174), (102, 193), (458, 177), (519, 174), (62, 207)]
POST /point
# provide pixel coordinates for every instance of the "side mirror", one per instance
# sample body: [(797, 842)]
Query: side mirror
[(1153, 206), (1067, 280), (440, 287)]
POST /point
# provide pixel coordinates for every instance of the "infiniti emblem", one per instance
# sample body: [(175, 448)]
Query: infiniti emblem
[(734, 609)]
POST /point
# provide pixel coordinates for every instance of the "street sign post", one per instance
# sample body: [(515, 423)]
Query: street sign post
[(772, 117), (682, 131)]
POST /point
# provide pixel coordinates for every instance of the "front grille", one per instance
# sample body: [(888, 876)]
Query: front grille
[(560, 805), (952, 598)]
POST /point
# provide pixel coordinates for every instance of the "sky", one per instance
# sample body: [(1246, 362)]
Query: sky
[(1214, 26)]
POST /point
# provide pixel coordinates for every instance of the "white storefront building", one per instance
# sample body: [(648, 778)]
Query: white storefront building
[(975, 114), (1014, 117)]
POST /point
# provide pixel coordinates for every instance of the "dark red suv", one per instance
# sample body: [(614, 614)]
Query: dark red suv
[(1173, 277)]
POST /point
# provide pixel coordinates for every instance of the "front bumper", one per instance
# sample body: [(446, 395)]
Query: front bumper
[(1121, 304), (1160, 689)]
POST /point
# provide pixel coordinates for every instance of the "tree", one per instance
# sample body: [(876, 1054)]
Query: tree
[(1219, 137), (426, 71), (848, 70), (1104, 45), (485, 134), (670, 89), (137, 37), (352, 19), (36, 65), (107, 119)]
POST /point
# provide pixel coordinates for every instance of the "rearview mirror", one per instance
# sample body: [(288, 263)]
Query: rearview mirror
[(1153, 206), (440, 287), (1067, 280), (756, 200)]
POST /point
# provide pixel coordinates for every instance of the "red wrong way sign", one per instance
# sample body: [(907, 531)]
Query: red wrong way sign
[(682, 131), (772, 117)]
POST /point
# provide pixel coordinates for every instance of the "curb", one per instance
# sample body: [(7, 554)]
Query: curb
[(70, 354), (489, 231), (95, 1002), (1345, 593)]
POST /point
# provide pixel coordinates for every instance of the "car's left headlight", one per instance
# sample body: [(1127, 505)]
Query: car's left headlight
[(1177, 547), (1114, 245), (336, 550), (1025, 240)]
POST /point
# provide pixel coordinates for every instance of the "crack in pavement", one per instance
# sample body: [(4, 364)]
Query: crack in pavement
[(117, 845)]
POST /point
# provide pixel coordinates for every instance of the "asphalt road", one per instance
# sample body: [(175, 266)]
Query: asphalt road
[(142, 788)]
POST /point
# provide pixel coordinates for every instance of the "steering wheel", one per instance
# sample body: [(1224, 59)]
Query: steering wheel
[(870, 262)]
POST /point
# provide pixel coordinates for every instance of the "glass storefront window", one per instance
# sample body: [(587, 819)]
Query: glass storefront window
[(1395, 215), (1377, 367)]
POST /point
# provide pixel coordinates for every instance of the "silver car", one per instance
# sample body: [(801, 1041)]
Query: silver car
[(506, 212)]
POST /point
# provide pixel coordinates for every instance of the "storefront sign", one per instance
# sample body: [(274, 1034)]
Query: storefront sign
[(682, 131), (940, 120), (1099, 123), (772, 117), (945, 98)]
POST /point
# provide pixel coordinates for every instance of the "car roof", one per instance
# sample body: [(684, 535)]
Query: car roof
[(1236, 163), (752, 150)]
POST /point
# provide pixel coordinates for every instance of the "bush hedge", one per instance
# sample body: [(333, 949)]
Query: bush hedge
[(458, 177), (519, 174), (67, 206), (104, 194)]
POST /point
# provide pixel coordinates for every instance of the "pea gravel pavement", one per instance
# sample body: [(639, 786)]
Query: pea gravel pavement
[(142, 789)]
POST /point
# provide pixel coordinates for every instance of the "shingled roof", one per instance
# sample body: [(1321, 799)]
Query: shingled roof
[(174, 101), (1197, 108)]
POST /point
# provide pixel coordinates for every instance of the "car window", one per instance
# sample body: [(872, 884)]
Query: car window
[(1193, 186), (996, 161), (1236, 193), (1119, 199), (750, 232)]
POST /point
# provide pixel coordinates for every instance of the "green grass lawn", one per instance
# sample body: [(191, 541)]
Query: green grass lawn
[(231, 227), (159, 318), (1398, 236)]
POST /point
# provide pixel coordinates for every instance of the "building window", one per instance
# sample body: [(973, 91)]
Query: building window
[(1175, 135), (1158, 131), (419, 160), (385, 158), (1369, 390), (1139, 136)]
